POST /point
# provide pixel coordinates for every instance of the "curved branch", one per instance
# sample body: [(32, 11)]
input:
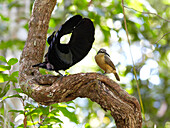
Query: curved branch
[(124, 108), (49, 89)]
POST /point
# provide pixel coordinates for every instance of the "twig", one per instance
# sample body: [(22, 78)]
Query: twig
[(162, 37), (32, 121), (150, 13), (138, 89)]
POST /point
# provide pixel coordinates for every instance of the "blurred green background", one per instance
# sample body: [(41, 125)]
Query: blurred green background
[(151, 55)]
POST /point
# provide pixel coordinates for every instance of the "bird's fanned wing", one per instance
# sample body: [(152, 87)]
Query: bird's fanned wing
[(62, 56), (69, 25), (66, 28), (82, 39)]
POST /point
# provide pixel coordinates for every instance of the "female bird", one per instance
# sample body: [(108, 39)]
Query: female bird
[(103, 61)]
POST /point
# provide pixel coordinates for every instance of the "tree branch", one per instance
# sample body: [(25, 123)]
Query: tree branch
[(49, 89)]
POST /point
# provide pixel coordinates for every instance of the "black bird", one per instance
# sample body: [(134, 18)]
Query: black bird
[(63, 56)]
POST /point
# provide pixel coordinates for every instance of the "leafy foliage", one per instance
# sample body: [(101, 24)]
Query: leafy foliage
[(48, 115)]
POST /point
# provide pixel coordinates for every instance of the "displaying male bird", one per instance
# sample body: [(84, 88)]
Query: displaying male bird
[(63, 56), (103, 61)]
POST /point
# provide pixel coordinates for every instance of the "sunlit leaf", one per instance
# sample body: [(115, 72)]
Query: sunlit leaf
[(136, 5), (70, 115), (12, 61), (167, 125), (68, 102), (55, 105), (12, 124), (130, 90), (4, 91), (87, 125), (30, 123), (16, 95), (9, 1), (4, 18), (30, 106), (3, 59), (18, 90), (4, 68), (21, 126), (16, 73), (20, 111), (83, 4), (37, 111), (45, 110), (13, 76), (3, 77), (14, 4), (10, 44), (53, 119), (54, 112)]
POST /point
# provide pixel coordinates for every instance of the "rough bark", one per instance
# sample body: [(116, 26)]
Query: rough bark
[(49, 89)]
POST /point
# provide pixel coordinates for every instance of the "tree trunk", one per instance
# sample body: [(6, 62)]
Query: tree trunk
[(49, 89)]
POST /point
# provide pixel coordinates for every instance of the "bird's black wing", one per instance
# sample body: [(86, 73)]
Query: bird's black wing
[(62, 56), (82, 39), (69, 25), (66, 28), (59, 55)]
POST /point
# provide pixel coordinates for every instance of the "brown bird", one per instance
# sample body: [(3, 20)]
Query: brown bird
[(103, 61)]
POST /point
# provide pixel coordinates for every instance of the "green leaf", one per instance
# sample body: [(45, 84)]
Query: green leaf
[(45, 110), (68, 114), (30, 123), (53, 119), (34, 111), (30, 106), (16, 95), (4, 68), (4, 91), (4, 18), (13, 76), (16, 73), (87, 125), (14, 4), (3, 77), (18, 90), (21, 126), (10, 44), (71, 107), (3, 59), (54, 112), (167, 125), (12, 61), (68, 102), (13, 79), (40, 110), (20, 111), (55, 105), (12, 124)]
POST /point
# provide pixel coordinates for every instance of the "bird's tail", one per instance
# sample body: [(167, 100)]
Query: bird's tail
[(41, 65), (116, 75)]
